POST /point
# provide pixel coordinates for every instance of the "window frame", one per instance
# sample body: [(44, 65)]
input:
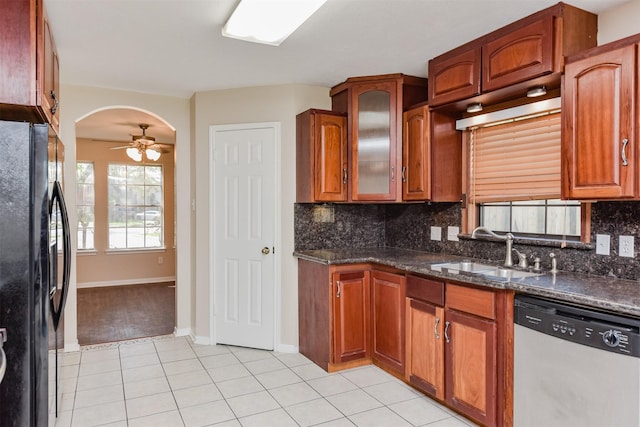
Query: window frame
[(130, 215), (471, 210), (80, 205)]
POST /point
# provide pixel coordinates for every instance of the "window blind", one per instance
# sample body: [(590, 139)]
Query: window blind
[(518, 160)]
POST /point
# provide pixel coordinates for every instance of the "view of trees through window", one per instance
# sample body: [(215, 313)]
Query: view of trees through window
[(85, 201), (135, 206)]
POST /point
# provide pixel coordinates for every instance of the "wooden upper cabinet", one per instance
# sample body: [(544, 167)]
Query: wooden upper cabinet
[(416, 164), (599, 113), (374, 107), (519, 55), (321, 156), (374, 141), (454, 75), (29, 79), (50, 93), (531, 49), (431, 157)]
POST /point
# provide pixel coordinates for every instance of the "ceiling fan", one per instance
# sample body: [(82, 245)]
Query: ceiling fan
[(143, 144)]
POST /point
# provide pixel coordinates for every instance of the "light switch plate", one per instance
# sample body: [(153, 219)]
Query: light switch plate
[(603, 244), (452, 233), (436, 233), (626, 246)]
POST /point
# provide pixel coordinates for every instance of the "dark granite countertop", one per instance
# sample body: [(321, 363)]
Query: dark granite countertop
[(603, 293)]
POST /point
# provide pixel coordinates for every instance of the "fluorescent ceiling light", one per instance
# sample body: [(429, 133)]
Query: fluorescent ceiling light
[(268, 21)]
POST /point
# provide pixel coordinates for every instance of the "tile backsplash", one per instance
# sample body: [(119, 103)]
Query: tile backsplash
[(334, 226)]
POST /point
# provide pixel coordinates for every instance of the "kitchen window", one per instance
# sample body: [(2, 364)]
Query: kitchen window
[(513, 180), (135, 206), (85, 202)]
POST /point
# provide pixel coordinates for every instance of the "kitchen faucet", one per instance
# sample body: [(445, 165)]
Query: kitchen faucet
[(508, 238)]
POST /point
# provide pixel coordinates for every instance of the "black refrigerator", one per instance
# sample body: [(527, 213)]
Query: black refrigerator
[(34, 270)]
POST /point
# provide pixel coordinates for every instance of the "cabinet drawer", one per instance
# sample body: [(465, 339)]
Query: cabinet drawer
[(424, 289), (471, 300)]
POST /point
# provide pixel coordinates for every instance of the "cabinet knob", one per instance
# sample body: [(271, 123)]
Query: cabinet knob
[(435, 328), (404, 171), (344, 175), (624, 152), (338, 290)]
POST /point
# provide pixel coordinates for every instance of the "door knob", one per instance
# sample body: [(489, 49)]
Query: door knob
[(265, 250)]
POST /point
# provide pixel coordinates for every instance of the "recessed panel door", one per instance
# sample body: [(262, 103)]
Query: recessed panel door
[(244, 204)]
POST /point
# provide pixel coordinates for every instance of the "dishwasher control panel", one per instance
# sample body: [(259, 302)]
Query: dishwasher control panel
[(597, 329)]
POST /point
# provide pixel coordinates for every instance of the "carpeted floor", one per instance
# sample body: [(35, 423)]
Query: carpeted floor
[(117, 313)]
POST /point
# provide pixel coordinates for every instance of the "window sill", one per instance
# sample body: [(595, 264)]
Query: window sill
[(87, 252), (532, 241), (134, 251)]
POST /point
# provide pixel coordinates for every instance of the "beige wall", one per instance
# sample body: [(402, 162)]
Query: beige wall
[(252, 105), (80, 101), (620, 22), (101, 267)]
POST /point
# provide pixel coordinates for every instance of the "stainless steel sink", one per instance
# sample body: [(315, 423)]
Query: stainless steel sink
[(509, 273), (483, 269), (469, 266)]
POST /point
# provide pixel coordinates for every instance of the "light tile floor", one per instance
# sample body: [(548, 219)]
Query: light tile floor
[(172, 382)]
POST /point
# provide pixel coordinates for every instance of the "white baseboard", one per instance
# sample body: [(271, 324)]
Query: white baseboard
[(182, 332), (69, 347), (201, 340), (287, 348), (127, 282)]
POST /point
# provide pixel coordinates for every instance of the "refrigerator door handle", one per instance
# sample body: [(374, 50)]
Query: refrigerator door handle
[(3, 356), (58, 198)]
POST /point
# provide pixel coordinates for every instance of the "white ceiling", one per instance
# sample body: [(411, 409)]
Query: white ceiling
[(175, 47)]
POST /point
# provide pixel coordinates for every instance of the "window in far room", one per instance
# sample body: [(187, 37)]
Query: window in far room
[(85, 202), (136, 206)]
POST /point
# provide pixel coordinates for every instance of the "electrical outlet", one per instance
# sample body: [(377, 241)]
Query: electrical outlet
[(160, 260), (603, 244), (436, 233), (626, 246), (452, 233)]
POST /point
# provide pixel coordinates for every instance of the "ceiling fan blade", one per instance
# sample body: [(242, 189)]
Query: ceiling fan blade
[(121, 147)]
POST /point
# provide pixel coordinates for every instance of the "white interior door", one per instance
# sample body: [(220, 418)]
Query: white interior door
[(244, 206)]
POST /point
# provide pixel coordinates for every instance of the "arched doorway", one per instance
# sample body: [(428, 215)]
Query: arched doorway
[(125, 207)]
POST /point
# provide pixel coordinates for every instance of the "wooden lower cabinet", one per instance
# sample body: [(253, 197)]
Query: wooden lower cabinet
[(351, 316), (453, 341), (470, 354), (387, 310), (462, 353), (334, 314), (425, 347)]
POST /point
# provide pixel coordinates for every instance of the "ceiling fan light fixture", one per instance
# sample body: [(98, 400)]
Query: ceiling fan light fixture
[(152, 154), (268, 21), (134, 154)]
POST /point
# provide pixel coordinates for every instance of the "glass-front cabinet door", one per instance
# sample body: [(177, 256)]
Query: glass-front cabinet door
[(374, 141)]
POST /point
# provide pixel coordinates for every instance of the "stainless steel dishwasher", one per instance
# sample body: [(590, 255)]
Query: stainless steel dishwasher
[(574, 367)]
